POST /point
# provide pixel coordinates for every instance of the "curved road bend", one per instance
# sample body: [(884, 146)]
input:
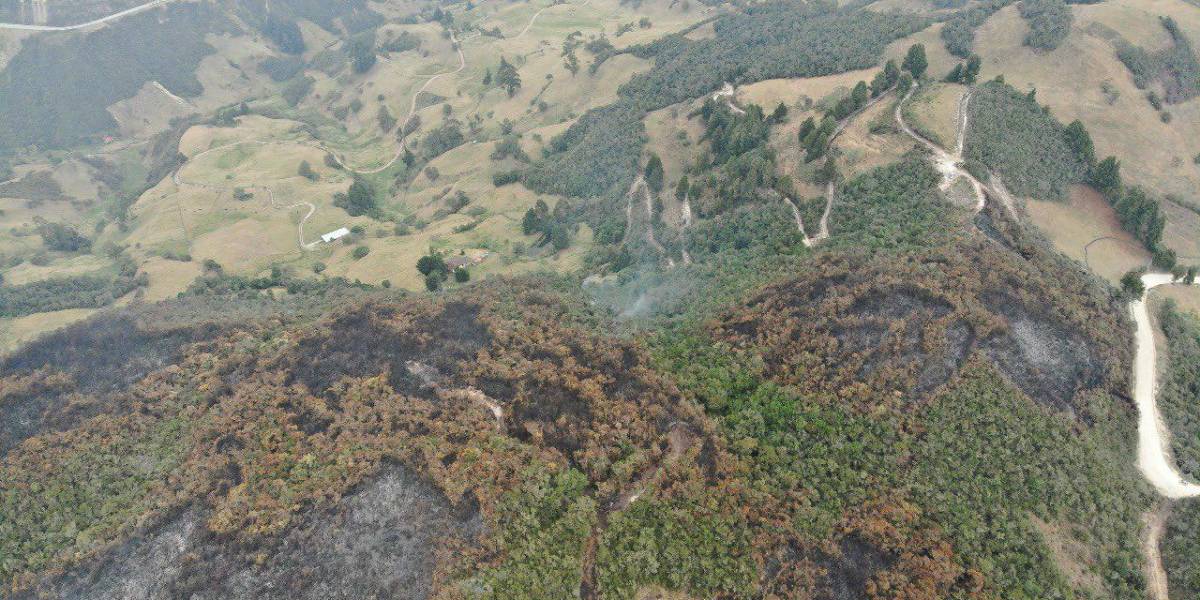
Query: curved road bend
[(94, 23), (1154, 458)]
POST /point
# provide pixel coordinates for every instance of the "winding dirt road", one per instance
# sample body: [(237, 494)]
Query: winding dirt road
[(949, 165), (94, 23), (412, 110), (1154, 437), (1154, 453), (686, 209)]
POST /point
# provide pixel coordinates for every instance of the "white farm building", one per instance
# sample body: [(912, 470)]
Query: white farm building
[(335, 235)]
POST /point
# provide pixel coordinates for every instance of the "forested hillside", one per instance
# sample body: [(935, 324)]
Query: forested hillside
[(599, 300), (598, 154)]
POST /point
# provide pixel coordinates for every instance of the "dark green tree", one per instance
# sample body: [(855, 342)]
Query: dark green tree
[(654, 173), (507, 77), (915, 61), (806, 128), (780, 113), (971, 72), (1131, 284), (358, 200), (1106, 177), (956, 74), (860, 95), (535, 218), (431, 263), (1080, 141)]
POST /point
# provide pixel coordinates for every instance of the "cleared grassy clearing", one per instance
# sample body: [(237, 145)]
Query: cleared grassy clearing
[(14, 332), (934, 111), (1186, 298), (676, 140), (940, 60), (168, 277), (861, 150), (1086, 218)]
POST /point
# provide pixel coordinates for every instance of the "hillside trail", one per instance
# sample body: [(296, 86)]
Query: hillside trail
[(686, 210), (629, 208), (1155, 522), (807, 241), (539, 13), (432, 379), (412, 110), (728, 92), (179, 181), (831, 187), (946, 163), (93, 23)]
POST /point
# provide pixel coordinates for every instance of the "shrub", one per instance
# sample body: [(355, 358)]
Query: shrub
[(360, 252), (306, 171), (1049, 22)]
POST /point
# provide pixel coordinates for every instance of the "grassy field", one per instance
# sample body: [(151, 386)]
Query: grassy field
[(1086, 229), (934, 111), (1073, 80), (861, 150), (14, 332), (1186, 298)]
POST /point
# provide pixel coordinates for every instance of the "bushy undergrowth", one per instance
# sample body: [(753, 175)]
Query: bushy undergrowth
[(1012, 134), (1177, 398), (1180, 550)]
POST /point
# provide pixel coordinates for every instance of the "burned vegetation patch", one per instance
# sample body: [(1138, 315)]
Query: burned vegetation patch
[(333, 457), (380, 540), (885, 329), (61, 379), (376, 338)]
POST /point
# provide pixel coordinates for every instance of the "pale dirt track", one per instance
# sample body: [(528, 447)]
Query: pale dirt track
[(947, 164), (1154, 437), (1154, 458), (94, 23)]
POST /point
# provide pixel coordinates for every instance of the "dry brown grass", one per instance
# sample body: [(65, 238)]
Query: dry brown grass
[(1185, 297), (940, 60), (663, 128), (68, 267), (1073, 558), (861, 150), (1085, 218), (935, 109), (1154, 154), (168, 278), (14, 332)]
